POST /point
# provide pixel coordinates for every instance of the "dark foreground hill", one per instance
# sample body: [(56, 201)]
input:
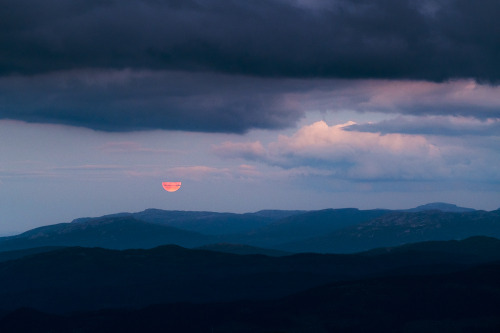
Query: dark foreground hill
[(465, 301), (16, 254), (71, 279), (242, 249)]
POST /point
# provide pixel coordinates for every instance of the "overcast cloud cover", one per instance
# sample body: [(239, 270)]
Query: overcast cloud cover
[(345, 102), (201, 64), (399, 39)]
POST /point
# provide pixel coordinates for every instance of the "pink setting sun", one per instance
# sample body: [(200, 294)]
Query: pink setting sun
[(171, 186)]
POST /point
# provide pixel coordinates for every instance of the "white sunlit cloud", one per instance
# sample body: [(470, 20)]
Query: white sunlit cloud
[(333, 151), (357, 155)]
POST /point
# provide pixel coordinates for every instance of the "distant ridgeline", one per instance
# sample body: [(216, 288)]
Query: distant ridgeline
[(325, 231)]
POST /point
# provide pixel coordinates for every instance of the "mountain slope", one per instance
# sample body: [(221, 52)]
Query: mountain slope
[(16, 254), (108, 232), (397, 228), (242, 249), (211, 223), (477, 245), (442, 206), (306, 225), (324, 231)]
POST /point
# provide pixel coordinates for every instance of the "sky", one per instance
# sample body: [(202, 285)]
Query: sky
[(263, 104)]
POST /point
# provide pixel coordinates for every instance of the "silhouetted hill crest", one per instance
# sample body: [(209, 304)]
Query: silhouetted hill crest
[(441, 206), (79, 278), (242, 249), (397, 228), (110, 232)]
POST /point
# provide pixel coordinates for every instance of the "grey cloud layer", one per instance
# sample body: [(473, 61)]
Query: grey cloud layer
[(446, 126), (127, 100), (236, 65), (431, 40)]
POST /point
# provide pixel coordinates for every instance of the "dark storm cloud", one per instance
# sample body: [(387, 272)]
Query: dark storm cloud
[(236, 65), (143, 100), (431, 39), (127, 100)]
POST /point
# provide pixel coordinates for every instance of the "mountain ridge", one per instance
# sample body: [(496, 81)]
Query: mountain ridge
[(110, 232), (442, 206), (397, 228), (343, 230)]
